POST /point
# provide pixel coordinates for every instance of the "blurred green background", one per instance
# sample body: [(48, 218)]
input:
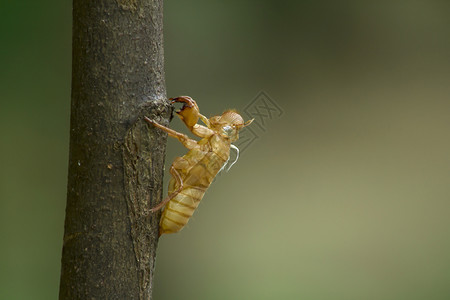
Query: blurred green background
[(345, 196)]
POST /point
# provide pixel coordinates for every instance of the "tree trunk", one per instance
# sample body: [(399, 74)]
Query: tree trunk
[(116, 160)]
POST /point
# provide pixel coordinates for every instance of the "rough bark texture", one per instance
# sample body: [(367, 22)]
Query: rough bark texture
[(116, 160)]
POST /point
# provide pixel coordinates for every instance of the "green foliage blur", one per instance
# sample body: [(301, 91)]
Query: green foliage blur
[(345, 196)]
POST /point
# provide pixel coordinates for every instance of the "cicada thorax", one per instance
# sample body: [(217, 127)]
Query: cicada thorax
[(198, 169)]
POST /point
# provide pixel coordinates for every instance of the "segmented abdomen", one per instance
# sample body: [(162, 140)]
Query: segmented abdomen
[(177, 211)]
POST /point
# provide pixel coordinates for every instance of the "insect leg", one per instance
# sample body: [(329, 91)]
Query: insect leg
[(184, 139), (179, 180), (190, 114), (205, 120), (201, 131)]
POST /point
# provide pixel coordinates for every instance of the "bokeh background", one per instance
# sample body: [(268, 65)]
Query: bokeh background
[(346, 195)]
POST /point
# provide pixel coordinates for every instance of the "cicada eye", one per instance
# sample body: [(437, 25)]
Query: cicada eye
[(228, 130)]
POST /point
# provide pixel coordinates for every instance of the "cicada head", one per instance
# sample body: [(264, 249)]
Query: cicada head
[(229, 124)]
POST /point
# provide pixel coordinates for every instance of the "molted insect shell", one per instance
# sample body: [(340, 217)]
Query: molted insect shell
[(193, 173)]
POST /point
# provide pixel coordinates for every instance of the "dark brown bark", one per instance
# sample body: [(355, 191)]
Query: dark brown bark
[(116, 160)]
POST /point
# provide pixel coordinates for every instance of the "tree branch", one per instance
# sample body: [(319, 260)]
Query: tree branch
[(116, 160)]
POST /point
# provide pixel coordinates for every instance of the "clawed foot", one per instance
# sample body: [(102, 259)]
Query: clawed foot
[(189, 113)]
